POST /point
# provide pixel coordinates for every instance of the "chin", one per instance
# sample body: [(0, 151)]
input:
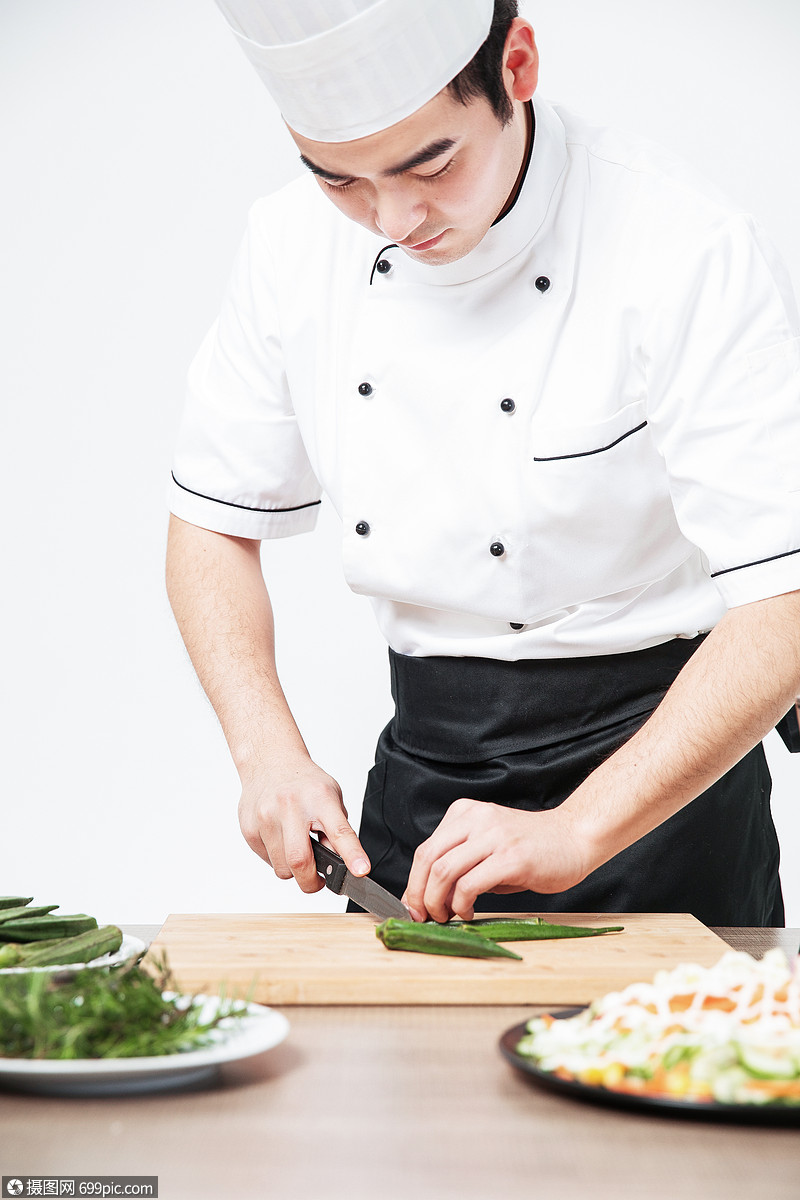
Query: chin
[(448, 252)]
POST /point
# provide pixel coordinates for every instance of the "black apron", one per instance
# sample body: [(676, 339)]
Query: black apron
[(525, 734)]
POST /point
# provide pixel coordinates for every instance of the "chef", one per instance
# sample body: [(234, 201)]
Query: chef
[(549, 380)]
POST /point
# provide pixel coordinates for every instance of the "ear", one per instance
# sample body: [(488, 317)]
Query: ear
[(520, 60)]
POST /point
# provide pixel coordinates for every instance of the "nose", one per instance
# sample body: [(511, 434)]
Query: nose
[(398, 214)]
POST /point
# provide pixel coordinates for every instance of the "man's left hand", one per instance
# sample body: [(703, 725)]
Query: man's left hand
[(479, 847), (732, 691)]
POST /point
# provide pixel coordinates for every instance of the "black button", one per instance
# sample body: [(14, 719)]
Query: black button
[(508, 404), (497, 548), (542, 283), (384, 266), (362, 528), (365, 389), (516, 625)]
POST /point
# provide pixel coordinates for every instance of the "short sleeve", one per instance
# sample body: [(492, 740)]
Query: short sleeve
[(723, 376), (240, 465)]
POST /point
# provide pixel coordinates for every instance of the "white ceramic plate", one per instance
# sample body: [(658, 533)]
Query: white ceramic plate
[(241, 1037), (130, 948)]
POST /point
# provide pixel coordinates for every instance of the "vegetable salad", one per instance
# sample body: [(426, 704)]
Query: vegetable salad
[(728, 1034)]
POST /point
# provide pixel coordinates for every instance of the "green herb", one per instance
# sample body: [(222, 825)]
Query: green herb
[(102, 1012)]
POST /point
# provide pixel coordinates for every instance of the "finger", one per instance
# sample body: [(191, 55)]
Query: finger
[(256, 844), (344, 840), (268, 848), (484, 877), (452, 830), (275, 853), (300, 860), (413, 896), (283, 841), (445, 875), (252, 834), (417, 913)]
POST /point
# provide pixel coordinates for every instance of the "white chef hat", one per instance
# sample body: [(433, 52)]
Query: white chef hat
[(342, 69)]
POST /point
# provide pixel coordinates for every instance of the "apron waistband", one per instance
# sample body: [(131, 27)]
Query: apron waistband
[(473, 709)]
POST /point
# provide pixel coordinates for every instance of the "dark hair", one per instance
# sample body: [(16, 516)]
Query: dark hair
[(483, 74)]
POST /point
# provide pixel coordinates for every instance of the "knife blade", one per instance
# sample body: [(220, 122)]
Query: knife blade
[(361, 889)]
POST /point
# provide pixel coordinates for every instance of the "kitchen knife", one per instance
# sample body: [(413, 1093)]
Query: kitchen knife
[(363, 891)]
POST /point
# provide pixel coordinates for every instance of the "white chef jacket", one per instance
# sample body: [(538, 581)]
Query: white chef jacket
[(582, 438)]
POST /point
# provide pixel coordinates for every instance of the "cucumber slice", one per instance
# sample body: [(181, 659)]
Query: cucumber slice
[(767, 1062)]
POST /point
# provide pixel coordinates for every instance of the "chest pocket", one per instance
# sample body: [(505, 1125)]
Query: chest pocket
[(602, 437), (601, 492)]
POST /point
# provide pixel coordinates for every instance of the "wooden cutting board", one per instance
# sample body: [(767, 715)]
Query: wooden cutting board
[(329, 958)]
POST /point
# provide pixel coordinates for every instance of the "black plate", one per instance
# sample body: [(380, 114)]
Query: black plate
[(751, 1114)]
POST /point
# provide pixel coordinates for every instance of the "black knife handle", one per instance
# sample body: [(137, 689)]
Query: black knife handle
[(330, 865)]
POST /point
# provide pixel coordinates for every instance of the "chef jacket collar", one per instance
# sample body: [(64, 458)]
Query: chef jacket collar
[(520, 225)]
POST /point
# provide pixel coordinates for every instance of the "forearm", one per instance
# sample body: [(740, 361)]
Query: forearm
[(732, 691), (739, 683), (224, 614), (223, 611)]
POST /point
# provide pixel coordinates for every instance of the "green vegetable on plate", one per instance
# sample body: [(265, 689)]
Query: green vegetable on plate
[(24, 911), (103, 1012), (83, 948), (14, 901), (35, 936), (44, 928)]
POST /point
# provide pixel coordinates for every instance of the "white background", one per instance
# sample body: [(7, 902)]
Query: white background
[(133, 138)]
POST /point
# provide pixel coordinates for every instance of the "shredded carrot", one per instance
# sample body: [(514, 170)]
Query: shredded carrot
[(719, 1003), (785, 1088)]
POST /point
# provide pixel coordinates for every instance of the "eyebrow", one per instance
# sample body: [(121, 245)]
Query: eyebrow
[(426, 155)]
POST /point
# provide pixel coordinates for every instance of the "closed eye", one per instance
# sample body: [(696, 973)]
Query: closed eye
[(438, 174), (341, 186), (338, 187)]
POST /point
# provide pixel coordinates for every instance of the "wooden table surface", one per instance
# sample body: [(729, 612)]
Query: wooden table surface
[(397, 1103)]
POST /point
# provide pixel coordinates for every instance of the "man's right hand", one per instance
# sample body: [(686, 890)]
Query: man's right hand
[(278, 811)]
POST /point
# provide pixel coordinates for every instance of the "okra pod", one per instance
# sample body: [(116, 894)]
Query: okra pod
[(39, 929), (512, 930), (79, 949), (12, 954), (23, 911), (9, 955), (430, 938)]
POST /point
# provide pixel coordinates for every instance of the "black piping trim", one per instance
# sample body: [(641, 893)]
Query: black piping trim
[(248, 507), (526, 164), (498, 219), (759, 562), (391, 246), (599, 450)]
